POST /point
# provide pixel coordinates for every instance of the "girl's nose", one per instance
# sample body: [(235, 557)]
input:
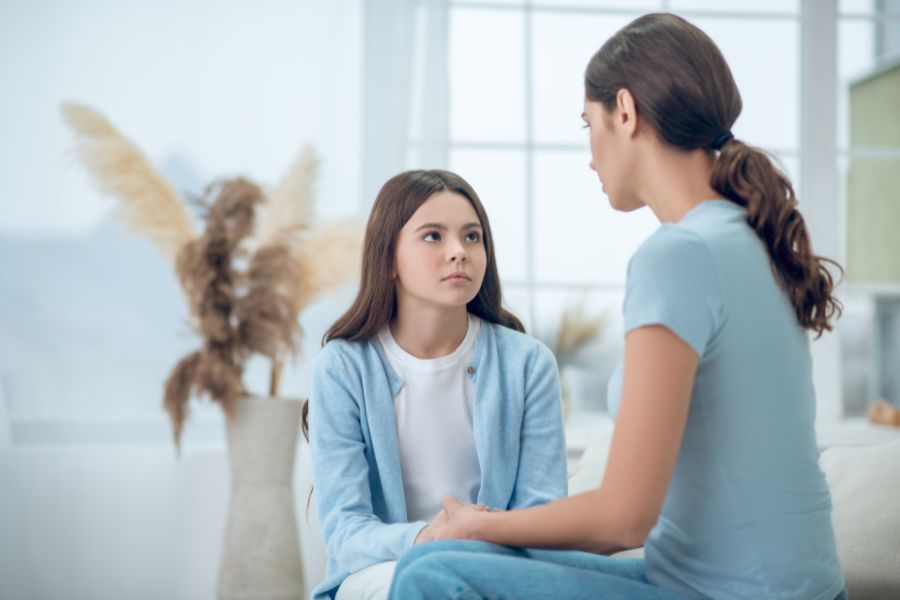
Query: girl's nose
[(457, 253)]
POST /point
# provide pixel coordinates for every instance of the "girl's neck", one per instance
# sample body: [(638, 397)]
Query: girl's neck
[(429, 332)]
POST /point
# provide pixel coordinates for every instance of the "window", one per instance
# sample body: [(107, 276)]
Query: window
[(515, 89)]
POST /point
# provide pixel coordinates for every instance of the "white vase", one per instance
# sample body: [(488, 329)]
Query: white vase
[(261, 555)]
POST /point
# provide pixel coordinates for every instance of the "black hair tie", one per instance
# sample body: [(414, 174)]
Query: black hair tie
[(720, 139)]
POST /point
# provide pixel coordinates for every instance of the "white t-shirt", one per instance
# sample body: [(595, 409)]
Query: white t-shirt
[(433, 413)]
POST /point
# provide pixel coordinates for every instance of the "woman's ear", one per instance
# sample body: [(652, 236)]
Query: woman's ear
[(626, 112)]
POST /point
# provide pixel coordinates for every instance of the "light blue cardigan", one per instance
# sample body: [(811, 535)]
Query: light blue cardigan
[(518, 434)]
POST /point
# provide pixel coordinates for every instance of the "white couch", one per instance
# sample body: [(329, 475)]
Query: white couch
[(865, 493), (865, 488)]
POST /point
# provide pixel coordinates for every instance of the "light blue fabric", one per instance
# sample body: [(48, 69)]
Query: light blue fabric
[(518, 434), (471, 570), (748, 512)]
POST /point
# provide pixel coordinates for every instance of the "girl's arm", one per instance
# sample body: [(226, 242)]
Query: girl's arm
[(542, 473), (658, 379), (354, 536)]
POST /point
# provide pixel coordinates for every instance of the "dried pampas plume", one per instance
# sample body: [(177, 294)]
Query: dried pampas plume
[(247, 277), (148, 205), (575, 331)]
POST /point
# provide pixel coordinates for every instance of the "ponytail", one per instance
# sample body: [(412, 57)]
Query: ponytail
[(746, 176)]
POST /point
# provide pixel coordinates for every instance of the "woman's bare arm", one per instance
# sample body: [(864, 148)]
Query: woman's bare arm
[(658, 379)]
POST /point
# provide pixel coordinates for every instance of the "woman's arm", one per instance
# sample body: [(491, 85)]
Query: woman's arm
[(354, 536), (658, 379)]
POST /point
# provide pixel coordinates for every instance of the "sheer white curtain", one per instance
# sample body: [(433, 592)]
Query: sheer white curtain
[(405, 90)]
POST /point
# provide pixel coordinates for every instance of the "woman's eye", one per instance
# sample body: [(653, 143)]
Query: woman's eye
[(473, 236), (432, 236)]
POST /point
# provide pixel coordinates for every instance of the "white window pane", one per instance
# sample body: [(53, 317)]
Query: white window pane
[(498, 177), (639, 5), (579, 237), (563, 45), (767, 75), (790, 166), (857, 6), (418, 66), (517, 299), (765, 6), (486, 75)]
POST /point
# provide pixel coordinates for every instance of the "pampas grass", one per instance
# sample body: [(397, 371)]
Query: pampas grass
[(573, 334), (148, 205), (575, 331), (246, 277)]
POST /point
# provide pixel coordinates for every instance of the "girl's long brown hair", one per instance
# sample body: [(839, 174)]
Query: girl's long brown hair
[(684, 91), (376, 302)]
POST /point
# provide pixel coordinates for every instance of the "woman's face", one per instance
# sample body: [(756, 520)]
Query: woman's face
[(441, 257), (613, 153)]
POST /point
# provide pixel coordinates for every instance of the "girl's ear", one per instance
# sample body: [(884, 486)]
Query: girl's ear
[(625, 114)]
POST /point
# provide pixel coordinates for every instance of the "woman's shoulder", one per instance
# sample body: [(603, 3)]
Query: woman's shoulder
[(672, 248)]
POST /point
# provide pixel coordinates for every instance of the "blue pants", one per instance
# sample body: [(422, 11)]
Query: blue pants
[(469, 570), (473, 570)]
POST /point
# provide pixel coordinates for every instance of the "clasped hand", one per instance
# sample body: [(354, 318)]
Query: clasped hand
[(456, 521)]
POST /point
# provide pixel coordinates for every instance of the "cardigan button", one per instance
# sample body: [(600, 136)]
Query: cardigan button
[(470, 370)]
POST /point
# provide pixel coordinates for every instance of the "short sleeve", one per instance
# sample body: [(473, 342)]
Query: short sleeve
[(672, 281)]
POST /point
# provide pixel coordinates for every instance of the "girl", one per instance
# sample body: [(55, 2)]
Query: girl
[(426, 386), (713, 466)]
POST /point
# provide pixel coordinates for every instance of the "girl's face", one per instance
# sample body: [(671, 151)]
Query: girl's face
[(440, 258), (613, 151)]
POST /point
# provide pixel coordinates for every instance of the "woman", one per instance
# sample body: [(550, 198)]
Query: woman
[(426, 387), (713, 465)]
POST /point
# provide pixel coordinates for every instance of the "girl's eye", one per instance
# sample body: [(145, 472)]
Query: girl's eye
[(432, 236), (473, 236)]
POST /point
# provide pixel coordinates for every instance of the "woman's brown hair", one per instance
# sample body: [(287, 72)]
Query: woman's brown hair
[(376, 302), (684, 91)]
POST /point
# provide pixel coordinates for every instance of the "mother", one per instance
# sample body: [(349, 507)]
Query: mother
[(713, 465)]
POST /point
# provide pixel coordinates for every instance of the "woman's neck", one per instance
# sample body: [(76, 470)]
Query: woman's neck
[(676, 182), (429, 332)]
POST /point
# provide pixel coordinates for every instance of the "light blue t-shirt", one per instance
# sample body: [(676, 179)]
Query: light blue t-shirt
[(748, 511)]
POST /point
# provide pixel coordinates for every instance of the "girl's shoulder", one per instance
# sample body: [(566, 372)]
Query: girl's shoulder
[(346, 352), (515, 346)]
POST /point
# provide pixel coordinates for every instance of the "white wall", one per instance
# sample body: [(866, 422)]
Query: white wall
[(93, 503)]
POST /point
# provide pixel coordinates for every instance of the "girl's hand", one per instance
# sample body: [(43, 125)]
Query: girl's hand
[(461, 521), (427, 533)]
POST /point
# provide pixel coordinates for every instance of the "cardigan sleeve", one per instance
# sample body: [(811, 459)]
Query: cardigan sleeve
[(354, 536), (542, 473)]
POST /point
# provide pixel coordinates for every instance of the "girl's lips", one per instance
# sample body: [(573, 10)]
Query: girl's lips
[(457, 278)]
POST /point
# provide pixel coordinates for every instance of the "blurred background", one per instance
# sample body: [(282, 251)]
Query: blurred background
[(93, 502)]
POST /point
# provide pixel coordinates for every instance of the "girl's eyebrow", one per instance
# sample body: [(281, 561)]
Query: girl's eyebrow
[(442, 227)]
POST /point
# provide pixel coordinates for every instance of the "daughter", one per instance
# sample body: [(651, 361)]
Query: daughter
[(426, 387)]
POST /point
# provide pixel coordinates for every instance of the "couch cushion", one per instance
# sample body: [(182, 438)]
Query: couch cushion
[(865, 492)]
